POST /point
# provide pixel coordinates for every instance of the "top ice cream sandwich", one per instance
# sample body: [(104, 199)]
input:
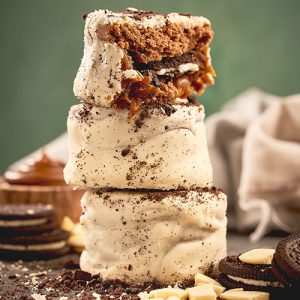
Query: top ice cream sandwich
[(136, 56)]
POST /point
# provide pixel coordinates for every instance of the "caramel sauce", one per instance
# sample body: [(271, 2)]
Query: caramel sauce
[(142, 90), (39, 171), (152, 88)]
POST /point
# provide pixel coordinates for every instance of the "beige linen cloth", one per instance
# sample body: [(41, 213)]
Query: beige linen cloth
[(255, 150), (254, 145)]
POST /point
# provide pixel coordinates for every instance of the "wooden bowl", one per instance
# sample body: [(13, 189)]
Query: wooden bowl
[(65, 199)]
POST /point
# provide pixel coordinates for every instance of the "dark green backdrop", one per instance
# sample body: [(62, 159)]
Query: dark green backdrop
[(257, 43)]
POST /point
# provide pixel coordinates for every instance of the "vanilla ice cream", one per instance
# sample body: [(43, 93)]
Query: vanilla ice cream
[(162, 148), (165, 235)]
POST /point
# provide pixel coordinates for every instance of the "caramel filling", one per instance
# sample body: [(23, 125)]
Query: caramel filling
[(149, 87)]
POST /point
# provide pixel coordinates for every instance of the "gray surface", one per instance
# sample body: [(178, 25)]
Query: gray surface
[(237, 243)]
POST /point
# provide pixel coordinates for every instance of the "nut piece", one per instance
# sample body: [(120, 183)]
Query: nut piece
[(239, 294), (258, 256), (76, 240), (202, 292), (67, 224), (203, 279), (168, 292)]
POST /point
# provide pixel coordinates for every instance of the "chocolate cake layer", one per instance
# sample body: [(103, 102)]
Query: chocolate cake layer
[(136, 56), (153, 36)]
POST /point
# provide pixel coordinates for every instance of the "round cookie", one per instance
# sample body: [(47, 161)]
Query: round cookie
[(286, 261), (42, 238), (252, 277), (28, 230), (26, 219), (41, 246), (12, 212)]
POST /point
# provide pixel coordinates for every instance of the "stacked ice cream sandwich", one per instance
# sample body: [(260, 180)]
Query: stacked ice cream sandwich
[(137, 143)]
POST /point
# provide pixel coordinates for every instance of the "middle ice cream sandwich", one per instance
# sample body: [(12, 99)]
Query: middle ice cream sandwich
[(163, 147)]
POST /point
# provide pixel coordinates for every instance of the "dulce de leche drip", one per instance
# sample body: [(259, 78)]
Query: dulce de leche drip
[(38, 171)]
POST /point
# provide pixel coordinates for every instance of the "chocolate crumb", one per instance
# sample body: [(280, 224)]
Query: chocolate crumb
[(125, 151), (84, 16)]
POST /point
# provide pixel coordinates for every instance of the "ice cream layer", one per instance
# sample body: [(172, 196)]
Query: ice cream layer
[(140, 236), (163, 147), (136, 56)]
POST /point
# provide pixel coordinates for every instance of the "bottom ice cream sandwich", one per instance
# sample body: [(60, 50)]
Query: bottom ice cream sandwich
[(139, 236)]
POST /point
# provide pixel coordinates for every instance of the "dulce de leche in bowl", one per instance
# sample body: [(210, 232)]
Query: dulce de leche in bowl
[(40, 180)]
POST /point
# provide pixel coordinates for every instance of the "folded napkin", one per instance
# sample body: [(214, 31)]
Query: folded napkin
[(254, 146)]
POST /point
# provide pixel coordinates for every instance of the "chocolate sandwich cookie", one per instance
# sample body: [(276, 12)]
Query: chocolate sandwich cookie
[(45, 245), (26, 219), (251, 277), (286, 262)]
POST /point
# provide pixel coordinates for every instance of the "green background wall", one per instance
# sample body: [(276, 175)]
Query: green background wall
[(257, 43)]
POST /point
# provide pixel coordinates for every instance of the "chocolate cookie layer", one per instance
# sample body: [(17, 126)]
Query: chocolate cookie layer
[(25, 212), (286, 261), (43, 245), (232, 265), (42, 238), (26, 219), (28, 230)]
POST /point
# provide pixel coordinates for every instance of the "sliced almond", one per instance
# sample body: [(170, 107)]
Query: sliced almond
[(76, 241), (239, 294), (203, 279), (218, 289), (202, 292), (67, 224), (168, 292), (258, 256)]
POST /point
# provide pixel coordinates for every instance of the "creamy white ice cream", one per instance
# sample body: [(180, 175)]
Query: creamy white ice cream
[(157, 149), (140, 236)]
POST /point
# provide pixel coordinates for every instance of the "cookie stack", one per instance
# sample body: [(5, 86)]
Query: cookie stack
[(275, 271), (30, 232), (137, 142)]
